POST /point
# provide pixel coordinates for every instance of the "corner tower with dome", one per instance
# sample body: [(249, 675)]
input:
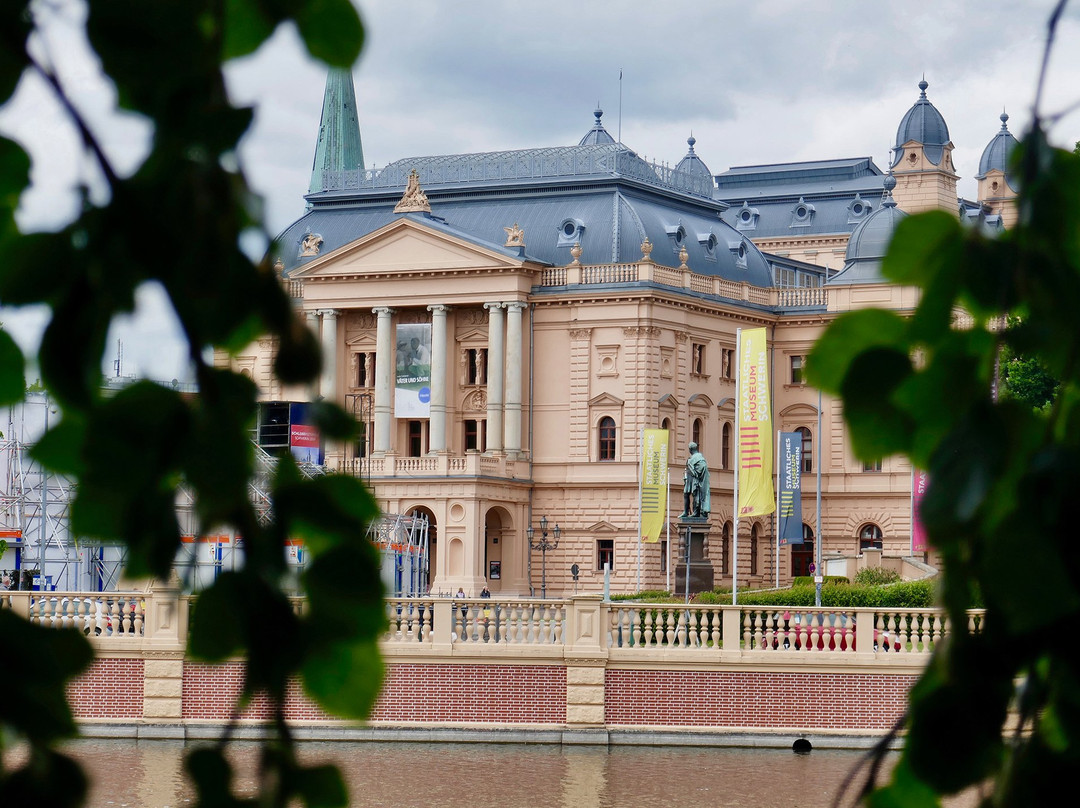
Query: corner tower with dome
[(504, 325)]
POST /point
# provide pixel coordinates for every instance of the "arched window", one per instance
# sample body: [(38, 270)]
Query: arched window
[(753, 550), (606, 439), (725, 550), (698, 432), (807, 449), (666, 424), (725, 447), (870, 537)]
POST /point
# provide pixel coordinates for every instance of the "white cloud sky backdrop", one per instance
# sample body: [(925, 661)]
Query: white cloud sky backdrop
[(776, 81)]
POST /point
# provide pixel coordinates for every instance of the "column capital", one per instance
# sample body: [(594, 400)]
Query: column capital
[(331, 313), (383, 311), (493, 306), (438, 308), (519, 305)]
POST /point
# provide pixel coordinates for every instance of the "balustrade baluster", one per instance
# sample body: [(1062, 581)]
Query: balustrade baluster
[(676, 628), (140, 616), (635, 627), (759, 629), (748, 635)]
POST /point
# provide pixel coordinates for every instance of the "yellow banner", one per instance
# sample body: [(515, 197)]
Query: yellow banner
[(654, 483), (755, 426)]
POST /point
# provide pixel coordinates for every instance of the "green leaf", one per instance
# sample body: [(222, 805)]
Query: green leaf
[(218, 628), (905, 791), (247, 26), (923, 246), (15, 25), (14, 161), (345, 593), (320, 787), (36, 705), (878, 427), (344, 678), (49, 778), (333, 422), (326, 511), (332, 31), (846, 337), (12, 370), (60, 448)]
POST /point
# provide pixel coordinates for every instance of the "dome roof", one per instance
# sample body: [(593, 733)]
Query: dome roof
[(998, 151), (598, 134), (694, 165), (923, 124), (870, 240)]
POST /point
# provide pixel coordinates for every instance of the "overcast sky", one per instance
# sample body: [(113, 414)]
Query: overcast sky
[(755, 82)]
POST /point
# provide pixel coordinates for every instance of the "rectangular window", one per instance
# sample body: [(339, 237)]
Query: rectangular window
[(798, 370), (417, 439), (873, 465), (476, 435), (727, 364), (697, 359), (361, 439), (605, 553), (785, 277)]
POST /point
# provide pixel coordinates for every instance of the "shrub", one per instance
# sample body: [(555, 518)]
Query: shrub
[(876, 576)]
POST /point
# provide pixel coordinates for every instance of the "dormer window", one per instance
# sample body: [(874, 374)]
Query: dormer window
[(677, 236), (708, 244), (738, 252), (746, 218), (570, 232), (802, 214), (857, 209)]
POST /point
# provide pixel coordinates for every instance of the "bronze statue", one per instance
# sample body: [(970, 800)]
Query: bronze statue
[(696, 485)]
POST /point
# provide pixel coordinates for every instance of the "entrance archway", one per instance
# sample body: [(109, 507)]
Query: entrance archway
[(802, 555), (498, 528)]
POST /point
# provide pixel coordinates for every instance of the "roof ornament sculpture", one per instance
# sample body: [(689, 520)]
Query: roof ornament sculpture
[(646, 251), (310, 244), (414, 199), (575, 253), (515, 236)]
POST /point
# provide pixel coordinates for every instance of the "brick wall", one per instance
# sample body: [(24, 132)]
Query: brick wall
[(754, 699), (110, 688)]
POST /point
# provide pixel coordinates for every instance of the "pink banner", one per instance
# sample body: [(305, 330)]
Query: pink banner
[(919, 541)]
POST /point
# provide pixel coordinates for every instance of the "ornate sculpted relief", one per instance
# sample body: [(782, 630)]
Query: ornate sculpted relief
[(580, 333), (414, 199), (515, 236), (641, 332), (412, 316), (681, 336), (472, 317), (310, 245), (476, 401)]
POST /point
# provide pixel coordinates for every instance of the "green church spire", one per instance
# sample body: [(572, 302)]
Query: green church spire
[(339, 148)]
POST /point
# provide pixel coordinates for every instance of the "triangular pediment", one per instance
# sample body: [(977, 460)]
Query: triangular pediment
[(364, 340), (606, 400), (601, 527), (668, 402), (402, 247), (472, 335)]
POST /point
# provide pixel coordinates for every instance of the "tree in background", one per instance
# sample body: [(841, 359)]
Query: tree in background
[(177, 221), (1001, 503)]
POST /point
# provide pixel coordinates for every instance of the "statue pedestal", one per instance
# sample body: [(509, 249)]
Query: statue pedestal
[(695, 530)]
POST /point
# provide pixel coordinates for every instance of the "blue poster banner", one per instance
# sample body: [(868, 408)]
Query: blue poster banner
[(790, 488)]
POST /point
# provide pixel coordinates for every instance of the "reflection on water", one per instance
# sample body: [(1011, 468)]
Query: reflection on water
[(148, 774)]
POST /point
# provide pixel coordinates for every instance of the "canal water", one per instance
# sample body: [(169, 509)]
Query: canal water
[(147, 774)]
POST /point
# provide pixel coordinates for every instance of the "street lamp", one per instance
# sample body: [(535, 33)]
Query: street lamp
[(543, 546)]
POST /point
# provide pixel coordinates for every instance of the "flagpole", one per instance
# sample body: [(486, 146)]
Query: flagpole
[(667, 521), (738, 417), (817, 544), (777, 520), (912, 550), (640, 525)]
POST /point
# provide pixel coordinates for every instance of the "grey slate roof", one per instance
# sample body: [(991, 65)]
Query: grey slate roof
[(795, 199), (869, 242), (923, 124), (997, 153)]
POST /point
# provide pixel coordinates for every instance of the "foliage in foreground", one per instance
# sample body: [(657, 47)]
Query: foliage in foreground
[(1002, 492), (178, 221)]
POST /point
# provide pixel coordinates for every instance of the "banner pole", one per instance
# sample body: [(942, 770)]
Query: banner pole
[(777, 520), (667, 523), (640, 521), (912, 550), (738, 460), (818, 572)]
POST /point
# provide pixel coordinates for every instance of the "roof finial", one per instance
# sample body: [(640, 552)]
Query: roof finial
[(690, 141), (1004, 117), (922, 86), (888, 184)]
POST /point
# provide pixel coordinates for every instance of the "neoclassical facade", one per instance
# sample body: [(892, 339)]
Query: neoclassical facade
[(568, 298)]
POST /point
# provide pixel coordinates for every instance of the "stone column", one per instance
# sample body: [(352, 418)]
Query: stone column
[(312, 318), (514, 361), (437, 425), (495, 377), (384, 367), (328, 382)]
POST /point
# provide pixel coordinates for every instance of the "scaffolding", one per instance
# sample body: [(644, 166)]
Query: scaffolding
[(42, 553), (403, 547)]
